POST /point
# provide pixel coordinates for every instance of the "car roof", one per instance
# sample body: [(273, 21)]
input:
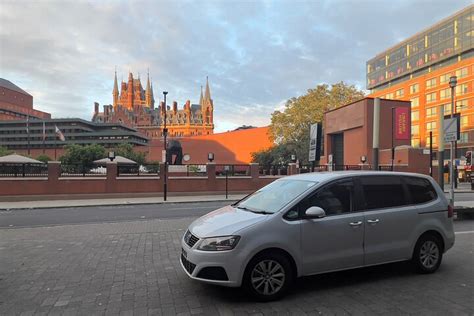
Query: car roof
[(331, 175)]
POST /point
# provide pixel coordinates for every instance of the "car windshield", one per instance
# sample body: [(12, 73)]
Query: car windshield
[(275, 196)]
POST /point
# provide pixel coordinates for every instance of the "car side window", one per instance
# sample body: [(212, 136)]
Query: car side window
[(335, 198), (383, 192), (420, 189)]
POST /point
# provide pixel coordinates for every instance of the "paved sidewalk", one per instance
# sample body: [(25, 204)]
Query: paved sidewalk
[(116, 201)]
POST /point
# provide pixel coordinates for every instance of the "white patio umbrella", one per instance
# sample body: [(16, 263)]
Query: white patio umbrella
[(118, 159), (14, 158)]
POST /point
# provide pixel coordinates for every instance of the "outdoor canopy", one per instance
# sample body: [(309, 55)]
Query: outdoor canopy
[(118, 159), (14, 158)]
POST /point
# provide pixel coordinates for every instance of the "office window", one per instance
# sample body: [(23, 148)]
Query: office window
[(464, 137), (431, 83), (428, 141), (415, 102), (461, 73), (461, 105), (389, 96), (415, 142), (445, 93), (444, 78), (431, 111), (415, 130), (399, 93), (430, 126), (461, 89), (431, 97), (414, 88), (447, 108), (464, 121), (415, 115)]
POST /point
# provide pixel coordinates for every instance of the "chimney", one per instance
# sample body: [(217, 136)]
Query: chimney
[(175, 107), (96, 108)]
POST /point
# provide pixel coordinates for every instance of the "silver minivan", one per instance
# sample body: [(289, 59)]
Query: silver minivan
[(319, 222)]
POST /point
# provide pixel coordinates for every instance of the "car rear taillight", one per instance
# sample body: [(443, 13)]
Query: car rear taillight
[(450, 211)]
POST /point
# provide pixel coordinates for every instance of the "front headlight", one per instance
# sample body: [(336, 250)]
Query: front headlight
[(219, 243)]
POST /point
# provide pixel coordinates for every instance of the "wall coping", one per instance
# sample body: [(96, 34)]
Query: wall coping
[(188, 178), (137, 178), (272, 177), (234, 177), (82, 178), (23, 178)]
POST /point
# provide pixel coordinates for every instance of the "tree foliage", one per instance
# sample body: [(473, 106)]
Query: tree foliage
[(290, 127), (126, 150), (4, 151), (43, 158), (82, 155)]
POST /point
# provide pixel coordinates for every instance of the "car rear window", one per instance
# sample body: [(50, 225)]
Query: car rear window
[(420, 189), (383, 192)]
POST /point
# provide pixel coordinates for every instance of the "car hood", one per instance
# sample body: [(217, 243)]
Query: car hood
[(224, 221)]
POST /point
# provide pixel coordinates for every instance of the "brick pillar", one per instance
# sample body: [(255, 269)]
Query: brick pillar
[(110, 185), (211, 171), (54, 172), (254, 173), (292, 168)]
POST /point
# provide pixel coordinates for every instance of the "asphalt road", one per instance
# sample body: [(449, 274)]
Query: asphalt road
[(101, 214)]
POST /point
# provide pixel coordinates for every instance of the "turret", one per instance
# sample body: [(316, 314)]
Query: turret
[(187, 109), (130, 91)]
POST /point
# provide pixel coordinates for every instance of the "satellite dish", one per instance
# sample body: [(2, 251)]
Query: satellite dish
[(186, 157)]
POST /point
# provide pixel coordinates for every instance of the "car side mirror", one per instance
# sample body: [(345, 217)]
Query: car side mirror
[(314, 212)]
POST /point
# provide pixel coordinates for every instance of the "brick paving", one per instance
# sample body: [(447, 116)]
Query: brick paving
[(132, 268)]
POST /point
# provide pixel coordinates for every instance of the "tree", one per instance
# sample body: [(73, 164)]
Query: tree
[(126, 150), (82, 155), (291, 126), (4, 151), (43, 158)]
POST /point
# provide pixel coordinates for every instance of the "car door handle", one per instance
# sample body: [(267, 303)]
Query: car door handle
[(355, 224), (373, 221)]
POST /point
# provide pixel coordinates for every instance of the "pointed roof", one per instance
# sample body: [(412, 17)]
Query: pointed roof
[(115, 83), (14, 158), (130, 76), (207, 94), (200, 98), (148, 88)]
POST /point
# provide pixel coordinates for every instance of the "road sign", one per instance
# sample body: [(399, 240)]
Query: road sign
[(315, 142), (451, 129)]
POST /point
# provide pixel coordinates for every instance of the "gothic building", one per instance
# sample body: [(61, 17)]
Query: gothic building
[(134, 107)]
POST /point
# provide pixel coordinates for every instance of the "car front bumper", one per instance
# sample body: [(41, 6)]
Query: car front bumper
[(193, 262)]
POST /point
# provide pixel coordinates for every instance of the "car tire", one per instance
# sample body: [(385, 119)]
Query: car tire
[(268, 276), (427, 254)]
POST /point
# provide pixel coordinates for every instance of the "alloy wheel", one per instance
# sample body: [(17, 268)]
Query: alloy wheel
[(429, 254), (267, 277)]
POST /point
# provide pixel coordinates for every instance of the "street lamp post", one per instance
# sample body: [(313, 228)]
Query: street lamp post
[(165, 132), (393, 148), (452, 84)]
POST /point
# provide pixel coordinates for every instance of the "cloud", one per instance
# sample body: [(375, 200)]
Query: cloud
[(257, 54)]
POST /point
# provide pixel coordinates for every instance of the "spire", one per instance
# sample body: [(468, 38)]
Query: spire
[(200, 98), (115, 93), (207, 95), (148, 93)]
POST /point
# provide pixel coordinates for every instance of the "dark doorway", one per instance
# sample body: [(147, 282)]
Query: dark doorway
[(338, 151)]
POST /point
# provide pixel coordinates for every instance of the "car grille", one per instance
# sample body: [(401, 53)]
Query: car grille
[(188, 265), (190, 239)]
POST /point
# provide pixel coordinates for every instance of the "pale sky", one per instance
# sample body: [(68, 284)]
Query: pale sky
[(257, 54)]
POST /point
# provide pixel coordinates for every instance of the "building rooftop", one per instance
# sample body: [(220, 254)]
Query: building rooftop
[(11, 86)]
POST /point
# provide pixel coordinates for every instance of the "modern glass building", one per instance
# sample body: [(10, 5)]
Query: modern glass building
[(418, 70)]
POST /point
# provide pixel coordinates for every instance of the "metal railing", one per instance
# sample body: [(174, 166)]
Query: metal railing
[(124, 170), (233, 170), (273, 170), (23, 170), (79, 170), (196, 170)]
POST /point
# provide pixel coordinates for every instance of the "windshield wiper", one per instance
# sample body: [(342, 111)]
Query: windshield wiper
[(253, 211)]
